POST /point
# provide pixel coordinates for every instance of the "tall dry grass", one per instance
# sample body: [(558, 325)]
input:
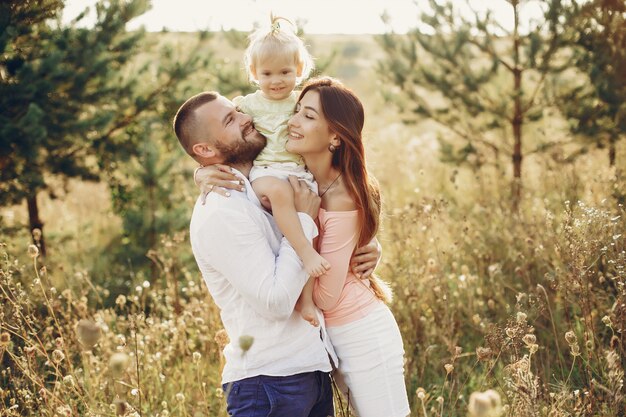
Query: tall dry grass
[(529, 305)]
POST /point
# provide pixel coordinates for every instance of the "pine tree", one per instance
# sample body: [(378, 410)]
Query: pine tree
[(597, 106), (22, 24), (148, 187), (465, 71), (70, 96)]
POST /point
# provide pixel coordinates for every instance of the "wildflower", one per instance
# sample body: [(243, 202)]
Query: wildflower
[(64, 410), (483, 353), (432, 265), (197, 356), (81, 308), (118, 362), (30, 351), (449, 368), (180, 397), (88, 333), (476, 319), (5, 339), (68, 380), (33, 251), (57, 356), (485, 404), (521, 317), (492, 269), (510, 332), (219, 393), (245, 342), (571, 338), (421, 393), (221, 338), (440, 400), (36, 232), (607, 321), (529, 339), (120, 300)]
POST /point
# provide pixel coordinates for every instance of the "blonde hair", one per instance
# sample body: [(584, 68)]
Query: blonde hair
[(277, 41)]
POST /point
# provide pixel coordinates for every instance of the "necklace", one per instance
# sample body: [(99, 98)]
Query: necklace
[(331, 184)]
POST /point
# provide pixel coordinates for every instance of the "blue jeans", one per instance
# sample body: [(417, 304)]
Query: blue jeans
[(302, 395)]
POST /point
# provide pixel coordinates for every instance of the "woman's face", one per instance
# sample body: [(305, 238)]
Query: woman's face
[(309, 132)]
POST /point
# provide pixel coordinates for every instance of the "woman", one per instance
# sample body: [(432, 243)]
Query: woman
[(326, 130)]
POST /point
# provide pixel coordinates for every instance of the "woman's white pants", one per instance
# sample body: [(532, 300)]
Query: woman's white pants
[(371, 366)]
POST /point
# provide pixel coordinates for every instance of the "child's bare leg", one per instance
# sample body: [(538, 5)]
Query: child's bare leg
[(305, 304), (280, 195)]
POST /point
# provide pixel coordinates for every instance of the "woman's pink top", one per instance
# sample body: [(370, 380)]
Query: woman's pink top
[(339, 293)]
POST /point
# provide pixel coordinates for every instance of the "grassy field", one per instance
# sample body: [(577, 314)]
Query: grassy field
[(517, 313)]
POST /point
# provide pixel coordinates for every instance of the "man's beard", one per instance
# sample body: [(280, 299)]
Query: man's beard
[(242, 152)]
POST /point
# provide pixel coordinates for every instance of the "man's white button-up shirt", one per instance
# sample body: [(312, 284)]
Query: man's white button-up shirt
[(255, 278)]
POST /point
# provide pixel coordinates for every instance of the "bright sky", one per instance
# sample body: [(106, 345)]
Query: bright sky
[(318, 16)]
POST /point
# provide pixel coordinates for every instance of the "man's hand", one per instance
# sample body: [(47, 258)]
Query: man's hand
[(306, 200), (216, 178), (365, 259)]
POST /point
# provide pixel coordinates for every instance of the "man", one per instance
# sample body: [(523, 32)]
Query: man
[(253, 273)]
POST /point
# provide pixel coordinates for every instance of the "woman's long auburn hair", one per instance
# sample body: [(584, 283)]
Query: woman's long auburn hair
[(345, 116)]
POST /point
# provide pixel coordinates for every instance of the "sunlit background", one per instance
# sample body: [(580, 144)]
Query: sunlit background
[(501, 161), (317, 17)]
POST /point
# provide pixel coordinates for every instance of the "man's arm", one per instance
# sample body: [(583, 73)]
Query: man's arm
[(237, 247), (366, 259)]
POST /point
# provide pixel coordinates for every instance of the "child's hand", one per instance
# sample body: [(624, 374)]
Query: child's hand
[(216, 178)]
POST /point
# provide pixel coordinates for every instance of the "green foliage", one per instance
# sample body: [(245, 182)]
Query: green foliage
[(478, 80), (59, 94), (84, 102), (597, 106)]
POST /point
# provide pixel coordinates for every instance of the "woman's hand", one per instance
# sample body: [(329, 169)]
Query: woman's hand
[(216, 178), (365, 259)]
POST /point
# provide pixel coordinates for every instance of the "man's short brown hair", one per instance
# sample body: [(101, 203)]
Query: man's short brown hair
[(185, 123)]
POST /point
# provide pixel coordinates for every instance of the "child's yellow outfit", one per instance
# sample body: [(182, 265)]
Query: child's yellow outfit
[(270, 119)]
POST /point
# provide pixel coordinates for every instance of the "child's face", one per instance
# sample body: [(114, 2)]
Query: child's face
[(277, 77)]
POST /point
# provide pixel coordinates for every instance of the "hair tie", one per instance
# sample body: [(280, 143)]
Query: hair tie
[(275, 26)]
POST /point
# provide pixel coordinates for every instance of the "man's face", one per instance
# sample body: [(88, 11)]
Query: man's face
[(234, 137)]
